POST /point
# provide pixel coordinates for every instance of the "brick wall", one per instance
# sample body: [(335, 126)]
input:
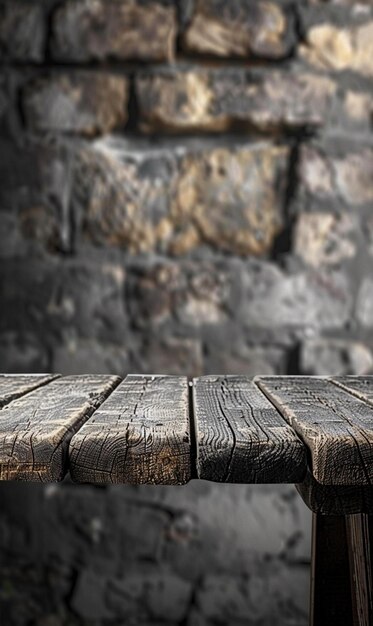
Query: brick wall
[(186, 187)]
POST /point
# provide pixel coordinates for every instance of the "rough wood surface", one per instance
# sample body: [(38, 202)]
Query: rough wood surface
[(241, 437), (36, 428), (335, 499), (14, 386), (336, 426), (141, 434), (359, 386)]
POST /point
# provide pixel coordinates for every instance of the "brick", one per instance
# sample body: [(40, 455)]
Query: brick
[(22, 31), (364, 305), (86, 103), (334, 48), (323, 239), (113, 29), (229, 198), (239, 29), (345, 176), (322, 357), (216, 100)]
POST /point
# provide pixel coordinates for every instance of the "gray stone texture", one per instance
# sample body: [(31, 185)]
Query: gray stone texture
[(174, 199), (242, 245), (239, 29), (113, 29), (199, 99), (22, 31), (87, 103)]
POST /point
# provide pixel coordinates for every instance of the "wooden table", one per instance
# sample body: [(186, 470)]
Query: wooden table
[(315, 432)]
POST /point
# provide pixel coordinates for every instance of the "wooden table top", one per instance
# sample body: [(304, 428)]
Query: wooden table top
[(167, 430)]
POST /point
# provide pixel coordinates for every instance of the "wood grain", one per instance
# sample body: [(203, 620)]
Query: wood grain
[(359, 530), (336, 426), (141, 434), (36, 428), (14, 386), (335, 499), (241, 437), (359, 386)]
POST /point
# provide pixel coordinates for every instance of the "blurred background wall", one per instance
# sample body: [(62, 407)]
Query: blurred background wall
[(185, 187)]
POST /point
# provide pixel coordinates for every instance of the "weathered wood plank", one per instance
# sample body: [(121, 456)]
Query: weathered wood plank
[(141, 434), (336, 426), (359, 386), (335, 499), (241, 437), (36, 428), (14, 386)]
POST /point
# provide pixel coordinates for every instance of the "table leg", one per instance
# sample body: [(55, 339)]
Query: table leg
[(341, 573), (360, 546), (330, 573)]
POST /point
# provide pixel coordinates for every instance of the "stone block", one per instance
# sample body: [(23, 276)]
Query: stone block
[(323, 239), (240, 358), (335, 48), (115, 29), (358, 109), (22, 31), (22, 352), (34, 197), (309, 300), (195, 294), (239, 29), (88, 300), (338, 175), (88, 596), (171, 355), (173, 100), (232, 198), (176, 200), (146, 592), (88, 356), (364, 305), (81, 103), (324, 356), (79, 297)]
